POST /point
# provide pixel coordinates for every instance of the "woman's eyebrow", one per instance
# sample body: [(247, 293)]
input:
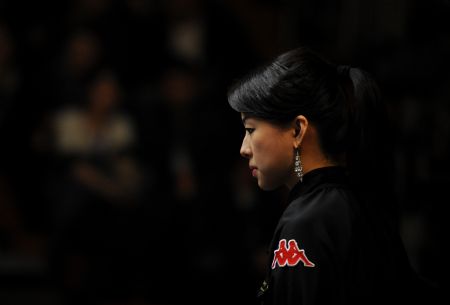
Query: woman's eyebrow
[(245, 118)]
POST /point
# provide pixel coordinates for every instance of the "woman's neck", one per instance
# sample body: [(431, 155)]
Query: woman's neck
[(309, 164)]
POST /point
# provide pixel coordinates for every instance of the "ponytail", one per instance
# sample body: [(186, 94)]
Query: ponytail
[(369, 157)]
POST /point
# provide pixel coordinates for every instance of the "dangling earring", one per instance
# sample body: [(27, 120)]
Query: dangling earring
[(298, 169)]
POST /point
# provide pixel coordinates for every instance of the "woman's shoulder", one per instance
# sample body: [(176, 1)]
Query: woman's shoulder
[(324, 215), (330, 203)]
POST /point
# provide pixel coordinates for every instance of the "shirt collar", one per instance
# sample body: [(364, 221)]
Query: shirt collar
[(329, 174)]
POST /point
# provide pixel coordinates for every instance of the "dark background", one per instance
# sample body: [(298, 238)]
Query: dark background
[(120, 175)]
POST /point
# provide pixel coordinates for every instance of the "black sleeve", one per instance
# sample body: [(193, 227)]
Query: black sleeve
[(309, 258)]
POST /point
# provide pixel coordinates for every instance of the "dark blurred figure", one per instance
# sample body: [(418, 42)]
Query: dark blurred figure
[(175, 127), (209, 35), (94, 184), (80, 58), (185, 138)]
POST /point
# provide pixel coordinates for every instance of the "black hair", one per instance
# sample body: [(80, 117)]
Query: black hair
[(343, 103)]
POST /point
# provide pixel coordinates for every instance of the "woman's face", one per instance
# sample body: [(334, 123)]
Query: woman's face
[(270, 151)]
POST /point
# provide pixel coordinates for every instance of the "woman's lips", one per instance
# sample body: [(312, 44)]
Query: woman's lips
[(254, 171)]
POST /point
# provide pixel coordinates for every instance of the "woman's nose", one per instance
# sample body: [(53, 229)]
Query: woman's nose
[(245, 149)]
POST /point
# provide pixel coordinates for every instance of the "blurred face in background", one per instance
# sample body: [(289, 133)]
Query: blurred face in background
[(82, 52), (179, 88), (104, 95), (270, 151)]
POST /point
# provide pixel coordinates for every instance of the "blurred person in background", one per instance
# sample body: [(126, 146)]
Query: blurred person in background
[(175, 126), (322, 131), (95, 186)]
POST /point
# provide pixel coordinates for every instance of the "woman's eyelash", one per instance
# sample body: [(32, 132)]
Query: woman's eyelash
[(249, 130)]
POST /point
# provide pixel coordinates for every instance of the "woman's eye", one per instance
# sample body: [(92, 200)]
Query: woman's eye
[(249, 130)]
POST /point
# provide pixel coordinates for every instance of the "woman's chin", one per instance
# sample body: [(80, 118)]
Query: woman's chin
[(266, 186)]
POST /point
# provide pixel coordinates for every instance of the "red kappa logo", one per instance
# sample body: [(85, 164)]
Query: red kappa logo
[(290, 255)]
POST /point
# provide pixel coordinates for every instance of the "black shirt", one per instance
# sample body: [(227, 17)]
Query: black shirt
[(329, 249)]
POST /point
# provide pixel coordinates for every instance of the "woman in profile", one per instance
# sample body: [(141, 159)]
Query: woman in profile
[(322, 131)]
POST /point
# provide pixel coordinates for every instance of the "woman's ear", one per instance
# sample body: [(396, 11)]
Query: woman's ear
[(300, 128)]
